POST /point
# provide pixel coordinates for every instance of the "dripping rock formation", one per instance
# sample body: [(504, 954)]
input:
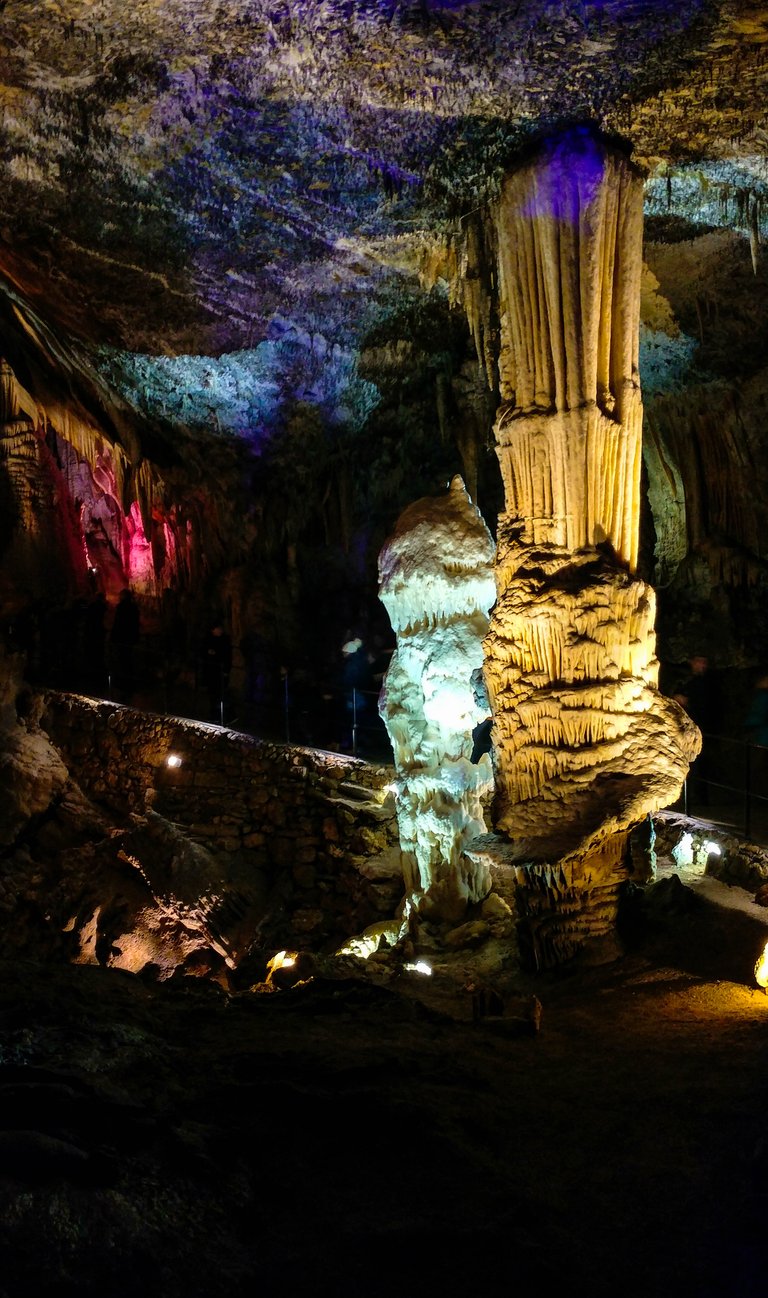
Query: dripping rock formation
[(436, 583), (267, 276), (585, 745)]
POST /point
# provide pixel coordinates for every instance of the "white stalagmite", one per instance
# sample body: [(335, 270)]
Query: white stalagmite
[(436, 582), (585, 746)]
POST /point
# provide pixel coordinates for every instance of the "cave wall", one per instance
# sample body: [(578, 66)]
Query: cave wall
[(204, 193), (705, 449), (312, 834), (269, 525), (86, 509)]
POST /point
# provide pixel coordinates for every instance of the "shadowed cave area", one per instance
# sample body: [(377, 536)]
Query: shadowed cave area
[(383, 590)]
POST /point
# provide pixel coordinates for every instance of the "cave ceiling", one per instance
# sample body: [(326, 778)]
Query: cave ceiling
[(205, 200)]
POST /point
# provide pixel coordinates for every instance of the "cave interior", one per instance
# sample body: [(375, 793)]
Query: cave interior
[(271, 271)]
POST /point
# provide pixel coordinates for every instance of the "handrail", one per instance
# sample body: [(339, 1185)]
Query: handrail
[(714, 771), (331, 714)]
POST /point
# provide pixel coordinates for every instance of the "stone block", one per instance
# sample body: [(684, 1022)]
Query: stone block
[(254, 840)]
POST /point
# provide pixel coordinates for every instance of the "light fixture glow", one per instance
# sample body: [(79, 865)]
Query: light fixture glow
[(377, 937), (173, 760), (712, 848), (682, 853), (761, 968), (283, 960), (420, 966), (360, 947)]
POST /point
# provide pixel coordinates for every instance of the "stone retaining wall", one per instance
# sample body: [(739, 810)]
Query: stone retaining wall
[(710, 848), (318, 828)]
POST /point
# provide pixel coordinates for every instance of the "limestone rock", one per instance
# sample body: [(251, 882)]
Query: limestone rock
[(437, 586), (468, 935), (32, 774), (585, 746)]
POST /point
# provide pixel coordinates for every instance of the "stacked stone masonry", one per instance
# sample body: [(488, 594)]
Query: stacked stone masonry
[(319, 828)]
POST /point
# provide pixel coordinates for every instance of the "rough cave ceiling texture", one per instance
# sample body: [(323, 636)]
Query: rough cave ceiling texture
[(193, 176), (209, 205)]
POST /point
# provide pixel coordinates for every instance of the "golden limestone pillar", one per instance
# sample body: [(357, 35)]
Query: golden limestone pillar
[(585, 746)]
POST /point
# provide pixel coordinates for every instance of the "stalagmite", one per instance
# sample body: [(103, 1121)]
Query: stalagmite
[(436, 582), (585, 746)]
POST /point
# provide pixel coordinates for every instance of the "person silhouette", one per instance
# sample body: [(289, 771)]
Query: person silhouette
[(216, 666), (698, 693)]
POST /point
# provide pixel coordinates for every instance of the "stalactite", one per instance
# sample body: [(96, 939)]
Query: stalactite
[(68, 480), (471, 270), (44, 551), (702, 448), (754, 233)]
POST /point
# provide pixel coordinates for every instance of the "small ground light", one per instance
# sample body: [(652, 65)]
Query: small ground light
[(420, 966), (761, 969), (283, 960), (173, 760)]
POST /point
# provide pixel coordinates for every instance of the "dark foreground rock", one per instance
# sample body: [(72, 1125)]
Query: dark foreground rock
[(342, 1137)]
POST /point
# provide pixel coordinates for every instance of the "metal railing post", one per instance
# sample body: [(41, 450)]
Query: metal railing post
[(286, 706), (354, 721), (748, 791)]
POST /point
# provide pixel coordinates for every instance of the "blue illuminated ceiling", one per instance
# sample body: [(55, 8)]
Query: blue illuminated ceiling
[(253, 180)]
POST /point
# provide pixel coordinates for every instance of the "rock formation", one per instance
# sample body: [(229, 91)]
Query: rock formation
[(77, 510), (112, 856), (436, 583), (585, 745)]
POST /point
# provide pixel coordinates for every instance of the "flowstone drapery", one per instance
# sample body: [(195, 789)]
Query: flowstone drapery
[(436, 582), (585, 746)]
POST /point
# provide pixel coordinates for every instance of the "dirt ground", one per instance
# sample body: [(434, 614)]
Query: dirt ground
[(346, 1138)]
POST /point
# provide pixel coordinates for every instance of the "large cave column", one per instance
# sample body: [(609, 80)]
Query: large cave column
[(585, 745), (569, 431), (436, 582)]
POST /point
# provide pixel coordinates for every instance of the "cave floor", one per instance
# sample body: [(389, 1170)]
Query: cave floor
[(348, 1138)]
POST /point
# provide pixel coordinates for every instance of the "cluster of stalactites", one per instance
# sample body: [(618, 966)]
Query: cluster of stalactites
[(569, 433), (18, 406), (569, 238), (95, 483), (702, 476), (470, 265)]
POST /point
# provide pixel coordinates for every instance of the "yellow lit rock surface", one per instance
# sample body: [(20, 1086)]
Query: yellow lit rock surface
[(585, 745), (568, 231)]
